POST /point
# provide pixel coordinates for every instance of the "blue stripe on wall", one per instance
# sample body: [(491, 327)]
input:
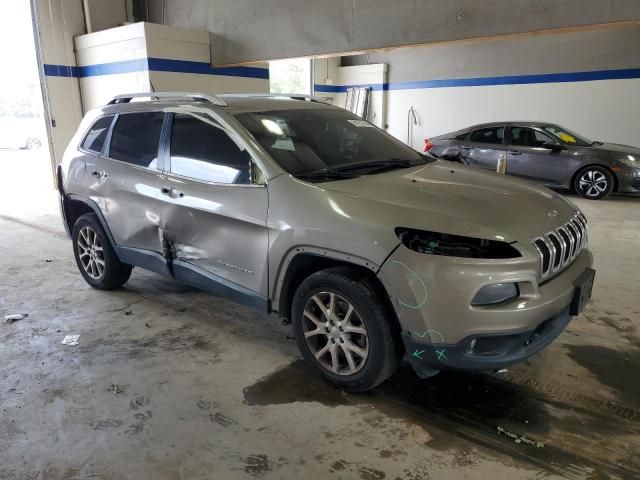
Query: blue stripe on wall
[(129, 66), (487, 81), (60, 70), (154, 65)]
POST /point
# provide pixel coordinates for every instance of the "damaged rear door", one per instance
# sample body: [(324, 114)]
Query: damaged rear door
[(125, 185), (214, 214)]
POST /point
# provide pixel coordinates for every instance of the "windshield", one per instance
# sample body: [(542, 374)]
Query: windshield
[(305, 141), (567, 136)]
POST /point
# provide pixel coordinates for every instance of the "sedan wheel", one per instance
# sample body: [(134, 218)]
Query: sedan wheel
[(335, 333), (593, 182)]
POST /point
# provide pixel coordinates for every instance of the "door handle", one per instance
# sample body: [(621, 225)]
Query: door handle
[(465, 147), (514, 152), (171, 192)]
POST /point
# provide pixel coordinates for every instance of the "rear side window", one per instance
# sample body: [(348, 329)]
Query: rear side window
[(96, 136), (201, 149), (488, 135), (135, 138)]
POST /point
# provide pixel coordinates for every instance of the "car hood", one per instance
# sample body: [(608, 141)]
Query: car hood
[(617, 148), (452, 198)]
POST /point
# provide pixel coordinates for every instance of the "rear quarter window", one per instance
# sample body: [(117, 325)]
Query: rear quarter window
[(94, 140)]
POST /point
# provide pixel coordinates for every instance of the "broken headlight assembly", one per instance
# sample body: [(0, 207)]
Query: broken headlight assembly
[(435, 243)]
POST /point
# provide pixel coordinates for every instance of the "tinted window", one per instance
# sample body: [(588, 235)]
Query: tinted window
[(488, 135), (135, 138), (313, 139), (201, 149), (528, 137), (96, 136), (462, 136)]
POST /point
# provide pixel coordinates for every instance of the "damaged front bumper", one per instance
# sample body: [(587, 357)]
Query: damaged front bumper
[(483, 352), (441, 329)]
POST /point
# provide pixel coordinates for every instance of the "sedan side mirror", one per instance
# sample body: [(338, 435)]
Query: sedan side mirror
[(554, 146)]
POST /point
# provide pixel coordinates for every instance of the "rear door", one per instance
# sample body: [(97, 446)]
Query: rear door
[(482, 147), (124, 183), (215, 209), (528, 158)]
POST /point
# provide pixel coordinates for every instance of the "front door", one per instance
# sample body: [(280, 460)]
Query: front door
[(483, 147), (214, 213), (528, 158)]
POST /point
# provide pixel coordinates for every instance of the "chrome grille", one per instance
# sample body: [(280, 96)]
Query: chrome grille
[(559, 247)]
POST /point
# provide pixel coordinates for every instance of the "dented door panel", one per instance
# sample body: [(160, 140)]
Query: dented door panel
[(218, 228), (127, 195)]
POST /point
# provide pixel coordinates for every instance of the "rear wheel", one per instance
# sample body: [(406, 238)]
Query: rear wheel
[(342, 329), (593, 182), (95, 257)]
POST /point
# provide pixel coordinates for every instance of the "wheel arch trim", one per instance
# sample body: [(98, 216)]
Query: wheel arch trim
[(283, 271)]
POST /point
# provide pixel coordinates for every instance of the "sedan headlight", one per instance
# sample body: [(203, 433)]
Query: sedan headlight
[(435, 243)]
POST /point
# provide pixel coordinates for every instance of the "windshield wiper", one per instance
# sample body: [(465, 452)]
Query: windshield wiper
[(324, 174), (380, 165), (596, 143)]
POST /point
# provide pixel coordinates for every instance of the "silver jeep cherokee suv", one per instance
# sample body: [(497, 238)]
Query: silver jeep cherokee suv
[(287, 204)]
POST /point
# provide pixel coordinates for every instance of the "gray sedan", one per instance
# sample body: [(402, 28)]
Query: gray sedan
[(545, 153)]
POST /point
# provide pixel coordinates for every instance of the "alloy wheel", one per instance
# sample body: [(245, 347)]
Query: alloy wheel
[(335, 333), (90, 253), (593, 183)]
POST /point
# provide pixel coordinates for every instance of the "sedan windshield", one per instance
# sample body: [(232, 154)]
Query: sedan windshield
[(567, 136), (327, 144)]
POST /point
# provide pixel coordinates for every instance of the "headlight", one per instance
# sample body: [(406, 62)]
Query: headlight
[(435, 243), (497, 293)]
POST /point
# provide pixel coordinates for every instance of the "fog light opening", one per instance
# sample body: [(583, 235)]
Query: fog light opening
[(496, 293)]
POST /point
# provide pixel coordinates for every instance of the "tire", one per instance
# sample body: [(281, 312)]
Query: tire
[(95, 257), (370, 314), (593, 182)]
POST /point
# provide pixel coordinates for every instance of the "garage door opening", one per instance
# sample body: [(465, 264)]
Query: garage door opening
[(27, 180), (290, 76)]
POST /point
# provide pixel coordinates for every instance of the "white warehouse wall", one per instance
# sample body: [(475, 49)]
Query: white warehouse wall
[(588, 81), (605, 110), (145, 57)]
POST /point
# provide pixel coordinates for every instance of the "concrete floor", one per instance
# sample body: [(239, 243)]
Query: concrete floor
[(210, 389)]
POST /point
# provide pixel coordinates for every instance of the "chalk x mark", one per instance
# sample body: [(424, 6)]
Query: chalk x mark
[(441, 355)]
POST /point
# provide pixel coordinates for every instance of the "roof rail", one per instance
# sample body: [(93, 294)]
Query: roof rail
[(127, 97), (293, 96)]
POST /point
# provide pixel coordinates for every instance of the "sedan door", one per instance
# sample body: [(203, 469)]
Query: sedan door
[(483, 147), (528, 157), (214, 210)]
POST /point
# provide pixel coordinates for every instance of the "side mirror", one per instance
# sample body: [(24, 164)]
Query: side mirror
[(451, 154), (553, 146)]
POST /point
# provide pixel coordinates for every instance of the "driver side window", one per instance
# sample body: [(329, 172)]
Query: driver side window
[(528, 137), (204, 151)]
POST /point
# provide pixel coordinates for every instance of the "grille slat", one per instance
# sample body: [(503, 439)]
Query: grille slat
[(559, 247)]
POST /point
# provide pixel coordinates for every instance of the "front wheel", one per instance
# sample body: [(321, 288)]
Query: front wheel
[(593, 182), (343, 329)]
